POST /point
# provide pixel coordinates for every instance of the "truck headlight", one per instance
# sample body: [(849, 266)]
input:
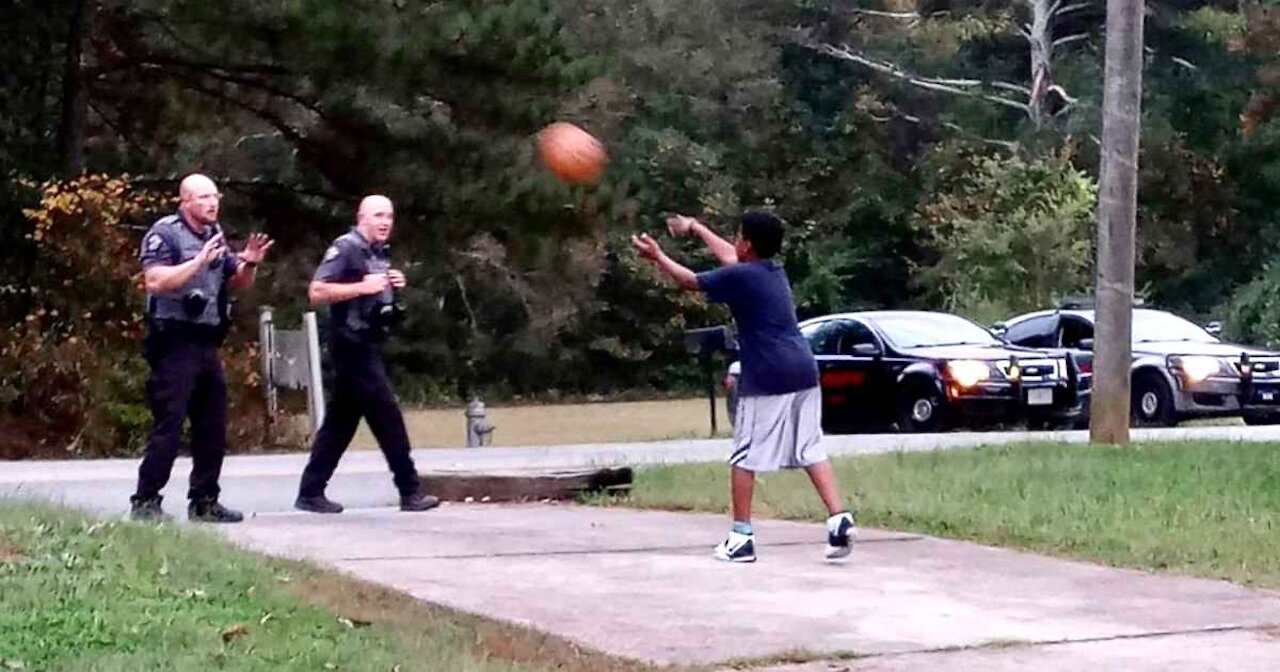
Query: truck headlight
[(1198, 367), (968, 372)]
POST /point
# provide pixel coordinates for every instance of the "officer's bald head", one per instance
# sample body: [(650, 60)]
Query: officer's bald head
[(198, 199), (375, 218)]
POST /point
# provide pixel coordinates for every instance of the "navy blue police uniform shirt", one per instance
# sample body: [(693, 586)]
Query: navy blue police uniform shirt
[(169, 242), (775, 357), (347, 260)]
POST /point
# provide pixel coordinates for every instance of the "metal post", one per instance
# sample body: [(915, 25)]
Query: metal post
[(315, 386), (704, 343), (1117, 212), (267, 341), (711, 388)]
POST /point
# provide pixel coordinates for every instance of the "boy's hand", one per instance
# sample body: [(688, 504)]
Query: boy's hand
[(680, 226), (646, 246)]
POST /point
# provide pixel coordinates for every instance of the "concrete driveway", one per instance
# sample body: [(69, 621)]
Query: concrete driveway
[(643, 585)]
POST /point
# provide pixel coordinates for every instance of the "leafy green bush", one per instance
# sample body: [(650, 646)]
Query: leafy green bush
[(1254, 313), (1006, 234)]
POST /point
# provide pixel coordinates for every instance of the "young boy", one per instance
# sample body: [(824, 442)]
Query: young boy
[(779, 419)]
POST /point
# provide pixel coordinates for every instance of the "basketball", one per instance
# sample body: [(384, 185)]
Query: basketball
[(571, 153)]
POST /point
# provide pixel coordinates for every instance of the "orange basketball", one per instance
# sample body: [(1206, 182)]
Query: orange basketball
[(571, 153)]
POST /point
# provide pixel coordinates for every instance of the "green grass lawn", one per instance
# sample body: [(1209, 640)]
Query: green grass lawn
[(79, 594), (1210, 509)]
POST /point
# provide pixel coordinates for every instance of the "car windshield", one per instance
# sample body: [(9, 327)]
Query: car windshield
[(917, 330), (1153, 325)]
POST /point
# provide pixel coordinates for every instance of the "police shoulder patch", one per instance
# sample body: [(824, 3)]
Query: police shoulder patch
[(331, 253), (154, 241)]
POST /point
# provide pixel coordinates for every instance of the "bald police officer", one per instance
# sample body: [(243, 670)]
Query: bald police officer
[(356, 281), (188, 272)]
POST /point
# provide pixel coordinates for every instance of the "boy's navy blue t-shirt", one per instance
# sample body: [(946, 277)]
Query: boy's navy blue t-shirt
[(776, 358)]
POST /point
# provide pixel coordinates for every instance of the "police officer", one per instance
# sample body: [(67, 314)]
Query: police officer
[(356, 281), (188, 272)]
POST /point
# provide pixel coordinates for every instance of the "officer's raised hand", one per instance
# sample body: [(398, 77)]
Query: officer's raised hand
[(213, 249), (255, 250), (396, 278)]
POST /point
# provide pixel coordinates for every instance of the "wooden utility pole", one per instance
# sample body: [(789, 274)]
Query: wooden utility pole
[(1117, 215)]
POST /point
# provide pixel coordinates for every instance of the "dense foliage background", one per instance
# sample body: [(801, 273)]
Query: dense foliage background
[(928, 153)]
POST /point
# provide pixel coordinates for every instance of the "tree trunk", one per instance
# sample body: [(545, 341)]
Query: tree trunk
[(1040, 39), (75, 101), (1117, 212)]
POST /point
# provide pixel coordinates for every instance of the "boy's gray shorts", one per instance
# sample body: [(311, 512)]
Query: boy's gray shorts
[(782, 431)]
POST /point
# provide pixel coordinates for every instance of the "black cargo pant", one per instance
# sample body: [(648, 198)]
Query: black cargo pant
[(186, 381), (361, 389)]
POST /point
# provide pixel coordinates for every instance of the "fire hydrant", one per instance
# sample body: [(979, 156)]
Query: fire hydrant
[(478, 430)]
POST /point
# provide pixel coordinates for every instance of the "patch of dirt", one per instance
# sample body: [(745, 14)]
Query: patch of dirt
[(22, 439), (561, 424), (8, 552), (405, 617)]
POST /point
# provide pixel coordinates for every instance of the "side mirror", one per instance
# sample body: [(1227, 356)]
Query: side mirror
[(866, 350), (1086, 344), (1214, 328), (999, 329)]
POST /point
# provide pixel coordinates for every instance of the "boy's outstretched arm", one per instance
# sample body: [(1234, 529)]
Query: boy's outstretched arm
[(649, 249), (680, 225)]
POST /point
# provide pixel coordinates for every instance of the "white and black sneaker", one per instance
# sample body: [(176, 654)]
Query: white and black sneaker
[(737, 548), (840, 534)]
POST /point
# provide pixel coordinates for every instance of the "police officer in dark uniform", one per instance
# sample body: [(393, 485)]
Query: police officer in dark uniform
[(188, 272), (356, 281)]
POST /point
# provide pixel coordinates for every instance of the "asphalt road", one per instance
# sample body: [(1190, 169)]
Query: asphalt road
[(268, 483)]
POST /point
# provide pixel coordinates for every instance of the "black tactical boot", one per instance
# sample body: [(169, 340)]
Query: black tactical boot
[(418, 502), (317, 504), (147, 509), (210, 511)]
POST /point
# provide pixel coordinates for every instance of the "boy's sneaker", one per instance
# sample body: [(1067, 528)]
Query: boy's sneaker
[(737, 548), (840, 534)]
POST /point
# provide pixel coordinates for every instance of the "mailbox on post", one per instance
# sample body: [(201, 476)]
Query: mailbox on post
[(705, 343)]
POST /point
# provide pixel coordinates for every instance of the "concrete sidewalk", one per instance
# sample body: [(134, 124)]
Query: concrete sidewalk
[(643, 585)]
